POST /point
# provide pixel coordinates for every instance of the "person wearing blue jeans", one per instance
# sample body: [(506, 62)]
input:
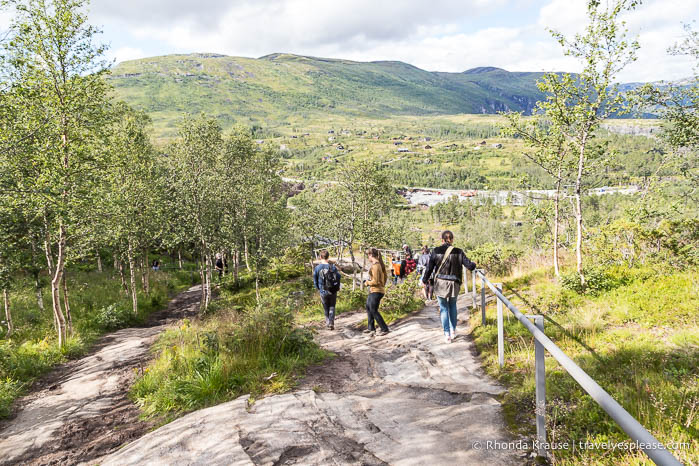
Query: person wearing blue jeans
[(444, 272), (447, 314)]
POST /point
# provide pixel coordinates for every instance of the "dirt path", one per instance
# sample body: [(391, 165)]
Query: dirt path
[(81, 411), (408, 398)]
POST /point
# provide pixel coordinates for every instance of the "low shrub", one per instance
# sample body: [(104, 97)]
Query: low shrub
[(496, 259)]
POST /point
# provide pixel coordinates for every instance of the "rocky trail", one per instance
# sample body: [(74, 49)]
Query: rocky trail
[(81, 410), (408, 398)]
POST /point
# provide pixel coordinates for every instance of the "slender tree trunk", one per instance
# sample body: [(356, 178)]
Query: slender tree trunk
[(236, 266), (363, 266), (257, 283), (578, 210), (247, 256), (49, 266), (202, 276), (55, 286), (120, 266), (99, 263), (66, 304), (555, 225), (208, 280), (8, 314), (179, 257), (132, 272), (354, 269), (145, 269)]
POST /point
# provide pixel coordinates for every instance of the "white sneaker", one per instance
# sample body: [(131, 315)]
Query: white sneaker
[(452, 334), (447, 338)]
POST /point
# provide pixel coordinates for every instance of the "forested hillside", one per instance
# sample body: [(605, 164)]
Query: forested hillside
[(277, 86)]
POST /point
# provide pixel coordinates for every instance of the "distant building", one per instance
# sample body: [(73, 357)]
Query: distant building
[(259, 141), (331, 132), (497, 146), (331, 138), (340, 147), (482, 143), (403, 149), (283, 147), (397, 143), (428, 146)]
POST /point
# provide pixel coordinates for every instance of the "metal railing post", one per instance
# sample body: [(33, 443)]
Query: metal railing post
[(473, 294), (540, 382), (501, 331), (483, 298)]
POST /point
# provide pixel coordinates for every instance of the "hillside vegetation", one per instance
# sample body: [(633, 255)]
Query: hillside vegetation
[(277, 86)]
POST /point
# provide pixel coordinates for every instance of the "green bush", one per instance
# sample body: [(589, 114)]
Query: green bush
[(495, 259), (113, 317)]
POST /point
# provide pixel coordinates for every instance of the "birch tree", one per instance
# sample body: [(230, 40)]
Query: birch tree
[(52, 55), (547, 148), (603, 51)]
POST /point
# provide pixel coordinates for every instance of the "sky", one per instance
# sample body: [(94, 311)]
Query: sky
[(436, 35)]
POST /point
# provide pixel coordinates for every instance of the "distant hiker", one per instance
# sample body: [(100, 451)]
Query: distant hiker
[(219, 265), (410, 265), (376, 284), (156, 265), (407, 251), (326, 279), (423, 259), (445, 269), (395, 269)]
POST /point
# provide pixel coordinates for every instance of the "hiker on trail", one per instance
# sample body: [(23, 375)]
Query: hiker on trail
[(407, 251), (395, 268), (445, 269), (326, 279), (376, 284), (410, 265), (422, 260), (219, 265), (156, 265)]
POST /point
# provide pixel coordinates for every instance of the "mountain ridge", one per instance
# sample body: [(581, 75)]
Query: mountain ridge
[(280, 86)]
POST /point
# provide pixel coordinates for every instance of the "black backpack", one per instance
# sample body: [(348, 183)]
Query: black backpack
[(331, 279)]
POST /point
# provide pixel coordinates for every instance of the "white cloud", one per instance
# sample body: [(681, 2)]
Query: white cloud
[(439, 35)]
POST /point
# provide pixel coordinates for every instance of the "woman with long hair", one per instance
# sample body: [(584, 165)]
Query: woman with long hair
[(377, 289)]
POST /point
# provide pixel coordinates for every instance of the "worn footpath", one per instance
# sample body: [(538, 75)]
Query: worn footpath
[(408, 398), (81, 410)]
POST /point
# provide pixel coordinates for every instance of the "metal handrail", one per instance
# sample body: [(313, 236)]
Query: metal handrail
[(655, 450)]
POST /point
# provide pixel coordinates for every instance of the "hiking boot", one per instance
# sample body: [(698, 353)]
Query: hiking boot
[(382, 333), (331, 326), (366, 330)]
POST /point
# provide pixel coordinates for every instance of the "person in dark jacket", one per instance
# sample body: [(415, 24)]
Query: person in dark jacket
[(447, 275), (328, 298)]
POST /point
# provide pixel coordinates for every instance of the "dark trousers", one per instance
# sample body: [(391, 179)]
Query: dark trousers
[(372, 311), (329, 300)]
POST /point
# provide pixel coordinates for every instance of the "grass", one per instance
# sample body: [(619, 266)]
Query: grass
[(98, 305), (638, 340), (246, 346), (240, 346)]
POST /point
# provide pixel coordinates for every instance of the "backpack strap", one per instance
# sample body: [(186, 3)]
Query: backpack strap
[(446, 254)]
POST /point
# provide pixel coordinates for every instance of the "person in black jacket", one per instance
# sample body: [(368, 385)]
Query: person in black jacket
[(447, 276)]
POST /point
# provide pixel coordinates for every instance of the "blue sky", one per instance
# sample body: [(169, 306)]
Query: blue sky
[(437, 35)]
